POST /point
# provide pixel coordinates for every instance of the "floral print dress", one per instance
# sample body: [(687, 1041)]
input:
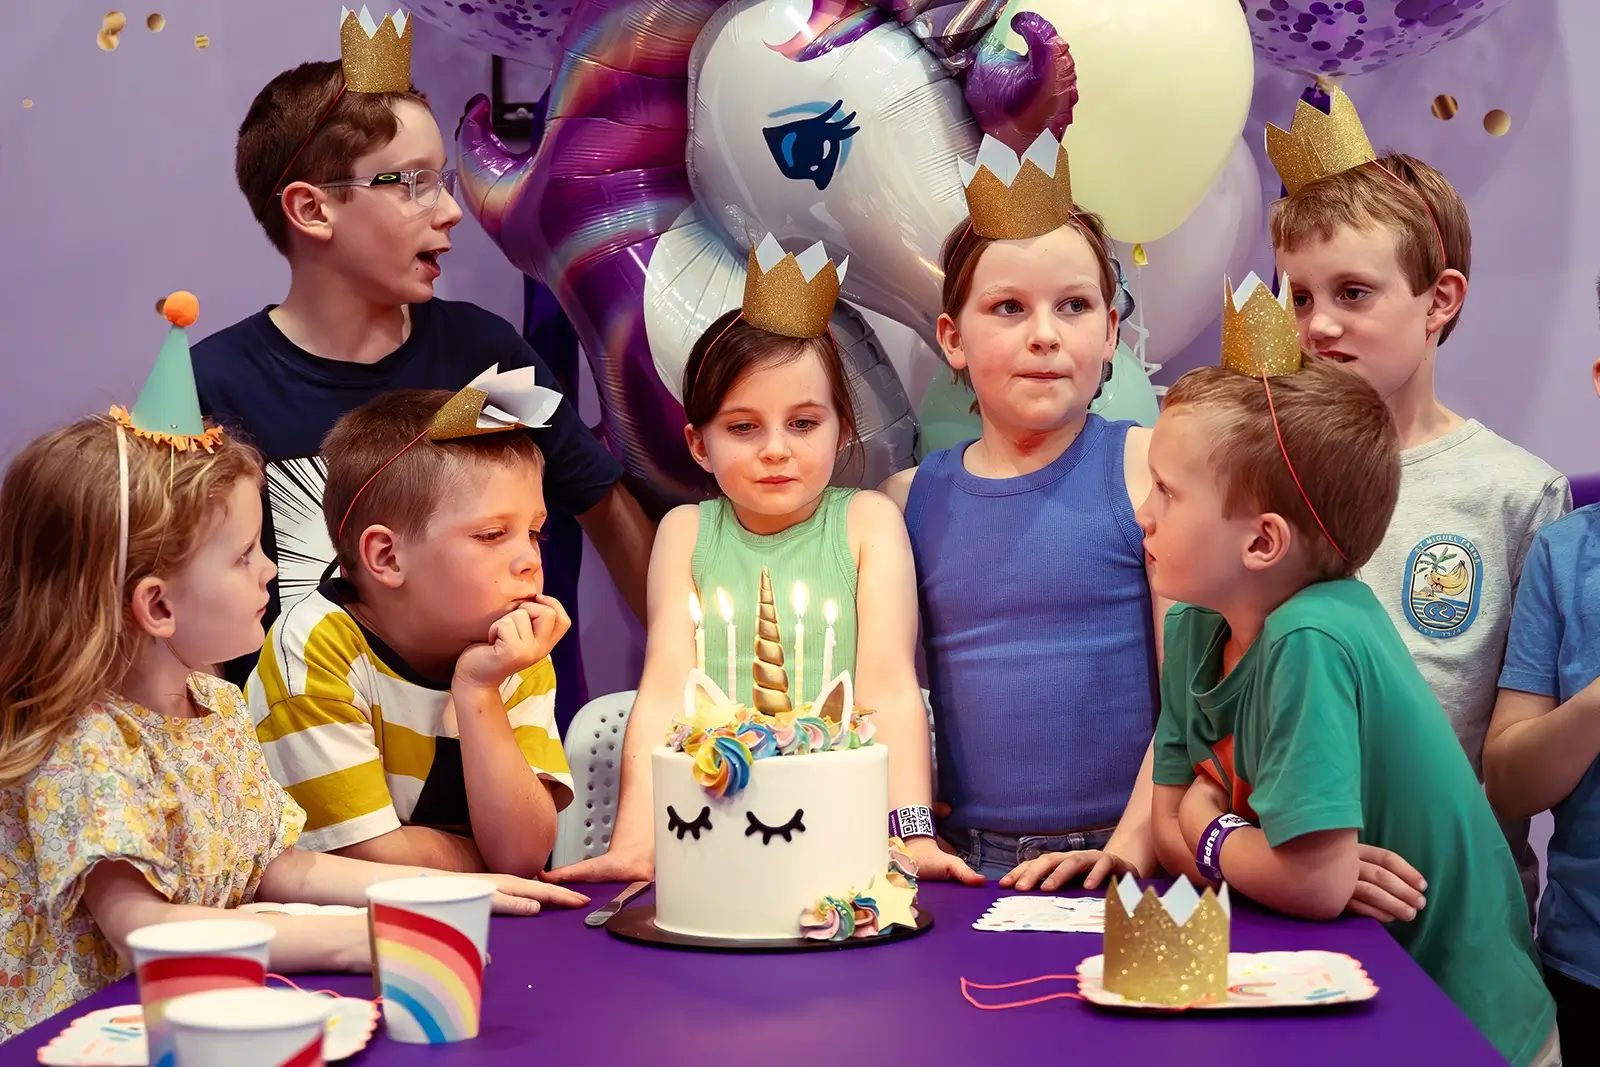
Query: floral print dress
[(187, 802)]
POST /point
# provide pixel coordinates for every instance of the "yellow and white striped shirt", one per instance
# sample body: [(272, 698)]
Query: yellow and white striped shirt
[(365, 744)]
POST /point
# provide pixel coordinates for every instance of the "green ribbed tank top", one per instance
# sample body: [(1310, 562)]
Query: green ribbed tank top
[(816, 552)]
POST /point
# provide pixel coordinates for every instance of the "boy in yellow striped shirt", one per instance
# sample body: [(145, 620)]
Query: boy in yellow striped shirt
[(408, 705)]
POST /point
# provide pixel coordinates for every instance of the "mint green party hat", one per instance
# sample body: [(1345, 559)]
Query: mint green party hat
[(168, 408)]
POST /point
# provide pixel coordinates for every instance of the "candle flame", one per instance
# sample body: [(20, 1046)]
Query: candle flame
[(799, 598), (694, 608), (830, 612), (724, 604)]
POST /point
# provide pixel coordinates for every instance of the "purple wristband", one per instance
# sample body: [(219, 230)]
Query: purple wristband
[(912, 821), (1208, 854)]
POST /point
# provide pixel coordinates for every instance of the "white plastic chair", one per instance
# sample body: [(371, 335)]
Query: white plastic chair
[(594, 752)]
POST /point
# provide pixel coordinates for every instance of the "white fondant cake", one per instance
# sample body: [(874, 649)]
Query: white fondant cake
[(745, 866)]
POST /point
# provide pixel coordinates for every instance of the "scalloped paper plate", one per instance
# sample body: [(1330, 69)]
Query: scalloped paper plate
[(300, 909), (1307, 979), (114, 1037)]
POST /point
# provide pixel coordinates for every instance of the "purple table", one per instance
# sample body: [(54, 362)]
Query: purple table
[(561, 993)]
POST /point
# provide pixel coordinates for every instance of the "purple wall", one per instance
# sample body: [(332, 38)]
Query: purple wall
[(119, 187)]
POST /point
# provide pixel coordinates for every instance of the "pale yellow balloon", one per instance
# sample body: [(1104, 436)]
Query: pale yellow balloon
[(1163, 90)]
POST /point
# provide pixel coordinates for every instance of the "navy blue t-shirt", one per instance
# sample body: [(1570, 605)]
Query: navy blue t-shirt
[(255, 382)]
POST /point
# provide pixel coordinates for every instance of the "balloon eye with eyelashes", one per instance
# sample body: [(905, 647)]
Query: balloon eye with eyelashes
[(788, 829), (677, 825)]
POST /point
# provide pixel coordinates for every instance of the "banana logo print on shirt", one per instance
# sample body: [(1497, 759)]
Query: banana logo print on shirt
[(1444, 581)]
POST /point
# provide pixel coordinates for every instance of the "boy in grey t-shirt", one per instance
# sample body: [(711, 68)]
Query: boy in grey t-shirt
[(1378, 252)]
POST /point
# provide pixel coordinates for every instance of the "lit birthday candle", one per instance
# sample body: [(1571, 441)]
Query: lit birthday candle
[(830, 615), (699, 632), (726, 607), (799, 644)]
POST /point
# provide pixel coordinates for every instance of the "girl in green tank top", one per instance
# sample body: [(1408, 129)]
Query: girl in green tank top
[(771, 422)]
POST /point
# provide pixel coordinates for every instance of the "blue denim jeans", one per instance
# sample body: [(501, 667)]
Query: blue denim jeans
[(993, 854)]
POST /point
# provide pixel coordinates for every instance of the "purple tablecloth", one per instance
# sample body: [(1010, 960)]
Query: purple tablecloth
[(559, 992)]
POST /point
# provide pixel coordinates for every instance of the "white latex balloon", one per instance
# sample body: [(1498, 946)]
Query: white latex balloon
[(1179, 293), (1163, 87)]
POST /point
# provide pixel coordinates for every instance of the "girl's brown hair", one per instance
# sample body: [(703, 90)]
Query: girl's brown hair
[(731, 348), (66, 638)]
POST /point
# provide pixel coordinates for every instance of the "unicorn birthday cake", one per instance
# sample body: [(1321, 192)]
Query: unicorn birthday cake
[(770, 818)]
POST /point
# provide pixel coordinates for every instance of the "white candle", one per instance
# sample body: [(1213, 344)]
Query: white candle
[(699, 632), (726, 607), (830, 614), (799, 644)]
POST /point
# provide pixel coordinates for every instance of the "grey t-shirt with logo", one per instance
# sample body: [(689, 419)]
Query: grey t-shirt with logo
[(1448, 568)]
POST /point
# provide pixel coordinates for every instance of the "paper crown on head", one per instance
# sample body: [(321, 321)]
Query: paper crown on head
[(1259, 336), (1012, 197), (1319, 145), (1171, 950), (168, 408), (376, 55), (493, 402), (788, 294)]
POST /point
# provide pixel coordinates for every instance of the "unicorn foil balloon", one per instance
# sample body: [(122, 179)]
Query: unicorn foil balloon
[(680, 132)]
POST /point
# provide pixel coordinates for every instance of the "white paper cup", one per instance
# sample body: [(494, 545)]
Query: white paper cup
[(178, 958), (430, 938), (249, 1028)]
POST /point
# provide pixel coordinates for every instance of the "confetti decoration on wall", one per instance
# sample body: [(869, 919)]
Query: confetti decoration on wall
[(112, 25), (27, 103), (1444, 107), (156, 23), (202, 41), (1497, 122)]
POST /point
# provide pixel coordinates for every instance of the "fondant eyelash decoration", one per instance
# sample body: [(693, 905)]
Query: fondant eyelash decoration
[(788, 829), (676, 824)]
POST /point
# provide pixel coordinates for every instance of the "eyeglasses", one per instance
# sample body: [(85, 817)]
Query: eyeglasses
[(424, 185)]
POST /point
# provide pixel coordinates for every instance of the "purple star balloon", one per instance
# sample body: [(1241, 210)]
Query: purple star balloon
[(525, 30), (1356, 36)]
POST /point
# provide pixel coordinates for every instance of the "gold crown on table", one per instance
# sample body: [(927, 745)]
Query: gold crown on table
[(376, 55), (1319, 145), (1012, 197), (1259, 335), (788, 294), (1171, 950)]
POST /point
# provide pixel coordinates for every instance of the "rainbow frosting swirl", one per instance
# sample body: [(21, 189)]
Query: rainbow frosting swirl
[(855, 914), (725, 756)]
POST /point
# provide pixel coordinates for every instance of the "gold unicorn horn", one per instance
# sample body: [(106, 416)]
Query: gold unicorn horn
[(770, 691)]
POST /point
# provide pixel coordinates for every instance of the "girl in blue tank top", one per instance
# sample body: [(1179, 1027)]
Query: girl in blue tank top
[(769, 419), (1037, 615)]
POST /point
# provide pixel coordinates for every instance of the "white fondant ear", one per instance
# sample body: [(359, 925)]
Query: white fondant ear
[(837, 700), (705, 705)]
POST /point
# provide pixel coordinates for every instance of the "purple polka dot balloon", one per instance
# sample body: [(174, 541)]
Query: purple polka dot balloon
[(524, 30), (1356, 36)]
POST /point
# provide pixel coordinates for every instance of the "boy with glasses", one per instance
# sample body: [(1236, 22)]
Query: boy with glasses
[(346, 171)]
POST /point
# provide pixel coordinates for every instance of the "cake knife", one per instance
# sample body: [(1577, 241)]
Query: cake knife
[(601, 915)]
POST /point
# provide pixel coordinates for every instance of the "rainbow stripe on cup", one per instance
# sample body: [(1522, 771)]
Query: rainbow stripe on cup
[(429, 970), (160, 980)]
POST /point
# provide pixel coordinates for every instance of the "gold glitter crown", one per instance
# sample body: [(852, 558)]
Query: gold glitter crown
[(1171, 950), (1012, 197), (494, 402), (788, 294), (1258, 330), (376, 55), (1319, 145)]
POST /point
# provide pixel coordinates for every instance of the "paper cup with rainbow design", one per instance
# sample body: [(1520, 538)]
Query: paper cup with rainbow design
[(178, 958), (430, 936), (249, 1028)]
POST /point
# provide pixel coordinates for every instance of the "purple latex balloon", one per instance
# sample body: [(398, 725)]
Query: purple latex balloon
[(1356, 36), (525, 30)]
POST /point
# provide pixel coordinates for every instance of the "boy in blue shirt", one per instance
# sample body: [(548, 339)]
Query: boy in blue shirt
[(1297, 737), (350, 182), (1542, 753)]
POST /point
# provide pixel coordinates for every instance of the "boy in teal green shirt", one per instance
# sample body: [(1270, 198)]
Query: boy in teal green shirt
[(1299, 749)]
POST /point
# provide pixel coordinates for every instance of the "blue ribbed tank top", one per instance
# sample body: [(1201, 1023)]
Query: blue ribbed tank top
[(1036, 626)]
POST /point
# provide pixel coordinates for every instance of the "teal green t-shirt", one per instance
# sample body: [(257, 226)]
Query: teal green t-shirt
[(1326, 724)]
